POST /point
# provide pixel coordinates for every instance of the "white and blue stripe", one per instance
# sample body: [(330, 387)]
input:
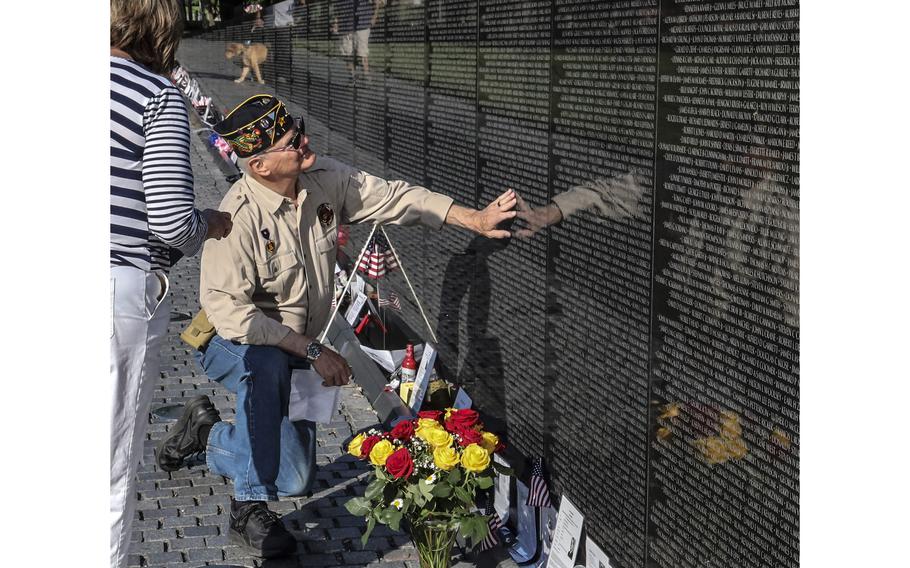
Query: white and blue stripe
[(152, 197)]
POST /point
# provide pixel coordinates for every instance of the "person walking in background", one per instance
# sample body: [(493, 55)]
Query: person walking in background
[(352, 21), (153, 223)]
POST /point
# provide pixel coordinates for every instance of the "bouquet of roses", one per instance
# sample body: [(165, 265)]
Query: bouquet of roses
[(428, 469), (252, 6)]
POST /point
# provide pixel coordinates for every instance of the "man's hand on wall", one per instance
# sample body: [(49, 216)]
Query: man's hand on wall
[(484, 222)]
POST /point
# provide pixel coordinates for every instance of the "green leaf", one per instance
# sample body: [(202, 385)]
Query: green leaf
[(395, 520), (455, 476), (484, 482), (425, 489), (474, 528), (463, 496), (385, 515), (374, 489), (442, 490), (501, 469), (371, 524), (358, 506)]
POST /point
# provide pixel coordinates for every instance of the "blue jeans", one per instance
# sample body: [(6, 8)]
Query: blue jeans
[(264, 453)]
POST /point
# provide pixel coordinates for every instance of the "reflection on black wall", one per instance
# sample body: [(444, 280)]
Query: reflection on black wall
[(651, 358)]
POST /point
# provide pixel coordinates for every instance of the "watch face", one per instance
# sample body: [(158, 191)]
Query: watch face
[(313, 350)]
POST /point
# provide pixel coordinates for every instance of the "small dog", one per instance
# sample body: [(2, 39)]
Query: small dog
[(253, 56)]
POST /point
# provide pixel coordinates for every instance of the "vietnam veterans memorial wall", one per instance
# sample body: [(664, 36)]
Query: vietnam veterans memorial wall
[(653, 359)]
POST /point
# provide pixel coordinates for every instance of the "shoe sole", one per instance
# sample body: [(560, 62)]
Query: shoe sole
[(237, 539), (179, 429)]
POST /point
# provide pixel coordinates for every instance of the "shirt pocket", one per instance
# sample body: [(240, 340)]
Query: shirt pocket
[(325, 243), (276, 272)]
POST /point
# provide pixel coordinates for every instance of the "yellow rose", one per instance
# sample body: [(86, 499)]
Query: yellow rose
[(425, 426), (490, 441), (381, 452), (475, 458), (445, 458), (438, 438), (428, 423), (354, 445)]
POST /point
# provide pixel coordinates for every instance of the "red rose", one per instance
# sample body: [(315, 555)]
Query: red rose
[(400, 464), (461, 419), (403, 430), (431, 415), (367, 446), (468, 437)]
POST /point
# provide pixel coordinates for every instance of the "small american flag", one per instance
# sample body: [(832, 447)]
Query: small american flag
[(495, 524), (378, 258), (391, 302), (539, 495)]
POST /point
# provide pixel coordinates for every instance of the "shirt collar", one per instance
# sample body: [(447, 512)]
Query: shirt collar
[(267, 198)]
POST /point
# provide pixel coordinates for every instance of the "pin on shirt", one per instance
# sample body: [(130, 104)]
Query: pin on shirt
[(270, 244), (325, 214)]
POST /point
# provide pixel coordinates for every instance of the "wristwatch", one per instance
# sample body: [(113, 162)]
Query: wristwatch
[(313, 351)]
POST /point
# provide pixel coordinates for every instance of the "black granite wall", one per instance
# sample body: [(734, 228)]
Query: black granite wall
[(653, 358)]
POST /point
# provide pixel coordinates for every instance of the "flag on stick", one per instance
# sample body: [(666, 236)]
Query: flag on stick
[(539, 495)]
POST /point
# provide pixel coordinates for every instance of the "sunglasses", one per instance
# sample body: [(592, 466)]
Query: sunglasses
[(295, 141)]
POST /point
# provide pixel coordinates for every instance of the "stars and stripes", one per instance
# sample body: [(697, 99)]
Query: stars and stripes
[(378, 258), (495, 524), (392, 301), (538, 495)]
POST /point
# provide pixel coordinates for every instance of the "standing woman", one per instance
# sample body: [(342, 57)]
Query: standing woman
[(153, 222)]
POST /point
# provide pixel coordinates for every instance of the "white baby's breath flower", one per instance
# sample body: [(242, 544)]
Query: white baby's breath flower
[(398, 503)]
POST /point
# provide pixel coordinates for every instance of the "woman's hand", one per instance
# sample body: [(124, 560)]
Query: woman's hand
[(219, 223)]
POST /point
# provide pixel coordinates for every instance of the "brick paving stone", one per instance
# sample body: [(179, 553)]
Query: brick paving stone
[(321, 560), (163, 558), (163, 534), (359, 557), (192, 491), (219, 541), (400, 554), (185, 543), (148, 547), (175, 522), (205, 554)]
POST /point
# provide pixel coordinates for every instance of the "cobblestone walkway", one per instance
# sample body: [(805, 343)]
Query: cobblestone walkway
[(182, 517)]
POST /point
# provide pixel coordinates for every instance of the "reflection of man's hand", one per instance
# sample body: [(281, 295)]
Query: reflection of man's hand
[(332, 367), (535, 219)]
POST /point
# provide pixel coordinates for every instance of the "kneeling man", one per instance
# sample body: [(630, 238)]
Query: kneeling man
[(267, 289)]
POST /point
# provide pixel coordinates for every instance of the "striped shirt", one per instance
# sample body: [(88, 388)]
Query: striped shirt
[(152, 197)]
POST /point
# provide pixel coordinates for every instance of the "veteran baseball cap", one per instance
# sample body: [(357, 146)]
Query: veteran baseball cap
[(255, 124)]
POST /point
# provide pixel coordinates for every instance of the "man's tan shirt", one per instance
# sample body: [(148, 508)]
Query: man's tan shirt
[(275, 271)]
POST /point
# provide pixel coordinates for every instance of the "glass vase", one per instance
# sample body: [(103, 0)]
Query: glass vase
[(434, 539)]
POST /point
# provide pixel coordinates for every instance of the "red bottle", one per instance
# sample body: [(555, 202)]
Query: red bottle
[(409, 365)]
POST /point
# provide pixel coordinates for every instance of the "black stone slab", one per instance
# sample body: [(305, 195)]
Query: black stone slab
[(652, 359)]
